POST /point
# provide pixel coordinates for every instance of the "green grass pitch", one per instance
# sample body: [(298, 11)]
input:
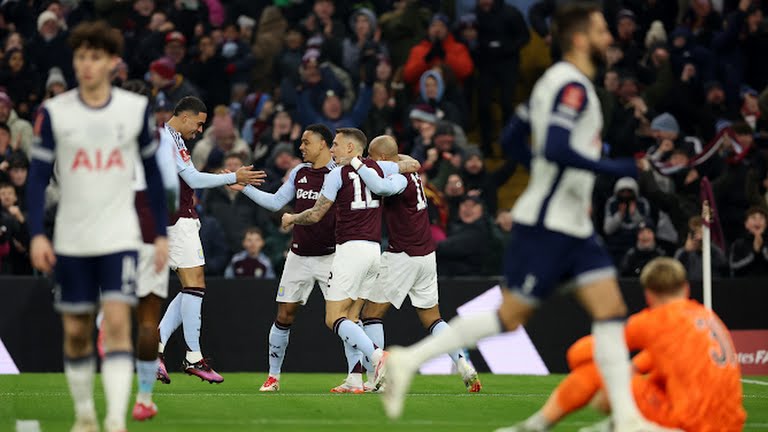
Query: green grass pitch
[(436, 403)]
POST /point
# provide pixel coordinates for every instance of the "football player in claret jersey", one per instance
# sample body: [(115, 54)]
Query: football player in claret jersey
[(186, 251), (553, 238), (309, 260), (95, 133), (686, 372), (358, 242), (408, 266)]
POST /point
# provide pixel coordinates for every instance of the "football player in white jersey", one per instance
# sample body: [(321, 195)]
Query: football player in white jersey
[(95, 133), (553, 241)]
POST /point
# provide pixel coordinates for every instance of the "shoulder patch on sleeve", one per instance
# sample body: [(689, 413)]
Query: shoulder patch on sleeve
[(573, 96)]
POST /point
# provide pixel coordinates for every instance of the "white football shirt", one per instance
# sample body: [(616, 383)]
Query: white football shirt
[(559, 197)]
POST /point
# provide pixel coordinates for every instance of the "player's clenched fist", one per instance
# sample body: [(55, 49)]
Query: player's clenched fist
[(246, 176), (41, 254), (288, 219)]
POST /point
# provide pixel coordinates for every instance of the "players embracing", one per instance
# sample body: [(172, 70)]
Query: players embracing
[(358, 244)]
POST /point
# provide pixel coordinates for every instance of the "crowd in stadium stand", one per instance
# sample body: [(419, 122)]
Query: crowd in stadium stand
[(685, 86)]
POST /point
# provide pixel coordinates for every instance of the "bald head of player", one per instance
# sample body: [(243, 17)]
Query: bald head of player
[(189, 116), (582, 33), (383, 148), (316, 144), (664, 280), (348, 143)]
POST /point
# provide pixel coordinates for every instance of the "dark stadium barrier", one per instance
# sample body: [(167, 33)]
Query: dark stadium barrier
[(237, 315)]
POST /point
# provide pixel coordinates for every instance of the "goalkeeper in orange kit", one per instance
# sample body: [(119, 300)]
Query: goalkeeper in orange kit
[(687, 374)]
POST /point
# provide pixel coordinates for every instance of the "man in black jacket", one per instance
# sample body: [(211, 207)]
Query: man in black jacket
[(464, 251), (644, 251), (501, 34), (749, 253)]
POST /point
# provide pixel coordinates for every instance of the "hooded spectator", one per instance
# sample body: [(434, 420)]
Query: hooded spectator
[(361, 49), (432, 92), (437, 49), (624, 212)]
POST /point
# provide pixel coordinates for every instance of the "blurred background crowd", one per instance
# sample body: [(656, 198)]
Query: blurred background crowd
[(684, 86)]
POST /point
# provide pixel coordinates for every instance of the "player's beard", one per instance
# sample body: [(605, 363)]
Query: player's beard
[(597, 57)]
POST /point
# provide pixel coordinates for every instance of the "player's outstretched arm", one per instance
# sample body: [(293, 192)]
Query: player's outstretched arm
[(309, 216), (197, 180), (272, 201), (388, 186)]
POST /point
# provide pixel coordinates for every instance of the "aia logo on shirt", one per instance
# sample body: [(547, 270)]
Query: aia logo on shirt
[(95, 160), (573, 96)]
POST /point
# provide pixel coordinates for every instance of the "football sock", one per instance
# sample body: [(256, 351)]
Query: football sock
[(79, 373), (354, 358), (440, 326), (171, 320), (191, 304), (462, 332), (612, 358), (278, 343), (374, 328), (117, 374), (355, 336), (146, 373)]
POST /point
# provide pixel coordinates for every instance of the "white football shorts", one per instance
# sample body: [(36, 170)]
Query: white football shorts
[(148, 281), (184, 247), (401, 275), (299, 276), (354, 270)]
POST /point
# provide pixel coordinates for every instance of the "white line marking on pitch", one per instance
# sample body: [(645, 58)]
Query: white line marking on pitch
[(27, 426), (749, 381)]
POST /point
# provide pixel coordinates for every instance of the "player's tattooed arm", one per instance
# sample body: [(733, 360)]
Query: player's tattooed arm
[(407, 164), (309, 216)]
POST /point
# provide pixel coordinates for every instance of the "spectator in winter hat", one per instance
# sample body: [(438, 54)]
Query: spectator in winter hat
[(163, 78), (49, 48), (664, 126), (55, 84)]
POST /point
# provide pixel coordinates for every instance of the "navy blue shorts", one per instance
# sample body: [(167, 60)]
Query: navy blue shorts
[(82, 282), (538, 260)]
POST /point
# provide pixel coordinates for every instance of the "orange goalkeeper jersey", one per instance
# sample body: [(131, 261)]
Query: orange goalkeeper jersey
[(688, 355)]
